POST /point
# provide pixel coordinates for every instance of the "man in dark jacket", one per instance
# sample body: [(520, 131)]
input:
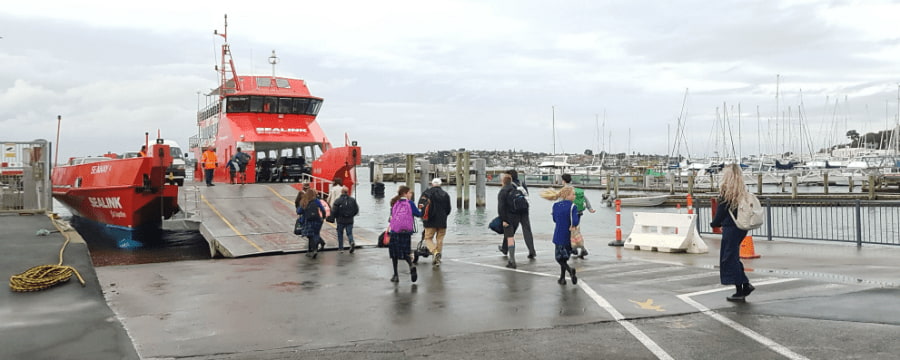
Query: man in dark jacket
[(524, 219), (344, 209), (510, 219), (435, 206)]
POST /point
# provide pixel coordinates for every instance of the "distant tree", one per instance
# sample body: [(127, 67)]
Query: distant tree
[(854, 137)]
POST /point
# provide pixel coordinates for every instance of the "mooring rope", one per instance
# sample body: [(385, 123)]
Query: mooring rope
[(45, 276)]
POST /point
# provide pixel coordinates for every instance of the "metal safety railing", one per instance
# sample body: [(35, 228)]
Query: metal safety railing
[(856, 221), (25, 176)]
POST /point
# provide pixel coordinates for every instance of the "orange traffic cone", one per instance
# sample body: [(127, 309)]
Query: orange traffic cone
[(747, 251)]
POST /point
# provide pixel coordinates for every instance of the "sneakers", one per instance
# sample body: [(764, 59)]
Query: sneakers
[(511, 265), (584, 253), (572, 274), (395, 278), (437, 259), (736, 297), (561, 281), (531, 255), (500, 248), (352, 247), (413, 274), (321, 245)]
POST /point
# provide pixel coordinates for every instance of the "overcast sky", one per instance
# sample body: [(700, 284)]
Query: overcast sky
[(416, 76)]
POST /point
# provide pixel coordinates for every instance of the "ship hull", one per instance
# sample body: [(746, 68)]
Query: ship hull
[(124, 198)]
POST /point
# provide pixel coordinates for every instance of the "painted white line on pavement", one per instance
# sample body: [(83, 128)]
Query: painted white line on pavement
[(637, 333), (781, 349), (723, 288)]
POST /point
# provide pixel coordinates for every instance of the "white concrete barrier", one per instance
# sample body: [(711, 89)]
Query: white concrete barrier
[(665, 232)]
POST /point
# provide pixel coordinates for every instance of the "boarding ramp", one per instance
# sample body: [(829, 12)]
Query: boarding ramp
[(665, 232), (255, 219)]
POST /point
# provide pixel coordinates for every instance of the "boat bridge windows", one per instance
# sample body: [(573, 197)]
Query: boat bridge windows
[(273, 105)]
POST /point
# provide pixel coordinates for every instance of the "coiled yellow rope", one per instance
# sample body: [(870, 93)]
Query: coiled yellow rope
[(45, 276)]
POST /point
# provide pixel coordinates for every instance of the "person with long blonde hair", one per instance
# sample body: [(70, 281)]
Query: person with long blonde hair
[(565, 215), (731, 270)]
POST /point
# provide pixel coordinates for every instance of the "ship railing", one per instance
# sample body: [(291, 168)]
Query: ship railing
[(851, 221), (319, 184)]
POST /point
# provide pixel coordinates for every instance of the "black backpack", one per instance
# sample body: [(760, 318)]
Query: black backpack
[(518, 200), (346, 207)]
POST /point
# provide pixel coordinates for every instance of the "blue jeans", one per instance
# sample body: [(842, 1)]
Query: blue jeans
[(340, 234)]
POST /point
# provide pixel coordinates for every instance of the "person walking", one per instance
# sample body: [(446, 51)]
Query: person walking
[(402, 226), (232, 166), (313, 213), (731, 270), (435, 206), (241, 159), (344, 209), (581, 202), (509, 218), (210, 163), (565, 215), (524, 219), (335, 192)]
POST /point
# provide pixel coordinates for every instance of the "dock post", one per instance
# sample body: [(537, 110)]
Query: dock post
[(794, 186), (411, 172), (372, 171), (782, 183), (825, 181), (424, 178), (458, 178), (691, 183), (608, 184), (759, 178), (467, 180), (850, 182), (871, 187), (617, 186), (480, 177)]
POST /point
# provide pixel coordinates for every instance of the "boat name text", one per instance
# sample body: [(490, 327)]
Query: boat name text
[(106, 202), (265, 130), (99, 169)]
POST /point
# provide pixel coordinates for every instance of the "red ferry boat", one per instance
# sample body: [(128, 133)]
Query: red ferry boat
[(126, 199), (274, 120)]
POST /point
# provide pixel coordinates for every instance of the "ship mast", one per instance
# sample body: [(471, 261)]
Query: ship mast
[(226, 66)]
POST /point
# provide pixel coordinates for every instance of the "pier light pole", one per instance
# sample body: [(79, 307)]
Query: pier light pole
[(56, 156)]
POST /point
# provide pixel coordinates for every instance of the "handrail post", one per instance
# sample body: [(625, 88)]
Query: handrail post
[(858, 225), (769, 219)]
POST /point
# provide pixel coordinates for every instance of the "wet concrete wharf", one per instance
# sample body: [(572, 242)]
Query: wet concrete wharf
[(813, 301)]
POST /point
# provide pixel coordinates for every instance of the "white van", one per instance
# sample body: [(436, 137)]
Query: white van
[(175, 172)]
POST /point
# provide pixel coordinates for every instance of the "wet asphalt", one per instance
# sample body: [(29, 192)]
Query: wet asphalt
[(812, 301)]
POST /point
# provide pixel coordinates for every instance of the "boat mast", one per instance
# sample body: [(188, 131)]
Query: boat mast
[(226, 65), (553, 115)]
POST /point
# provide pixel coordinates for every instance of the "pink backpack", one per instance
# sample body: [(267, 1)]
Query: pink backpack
[(402, 217)]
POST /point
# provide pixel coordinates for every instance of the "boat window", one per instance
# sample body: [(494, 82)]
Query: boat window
[(314, 106), (270, 104), (263, 81), (285, 105), (283, 83), (300, 105), (237, 104), (256, 104)]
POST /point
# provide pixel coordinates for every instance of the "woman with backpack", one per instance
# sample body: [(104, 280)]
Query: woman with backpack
[(402, 226), (731, 270), (313, 213)]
